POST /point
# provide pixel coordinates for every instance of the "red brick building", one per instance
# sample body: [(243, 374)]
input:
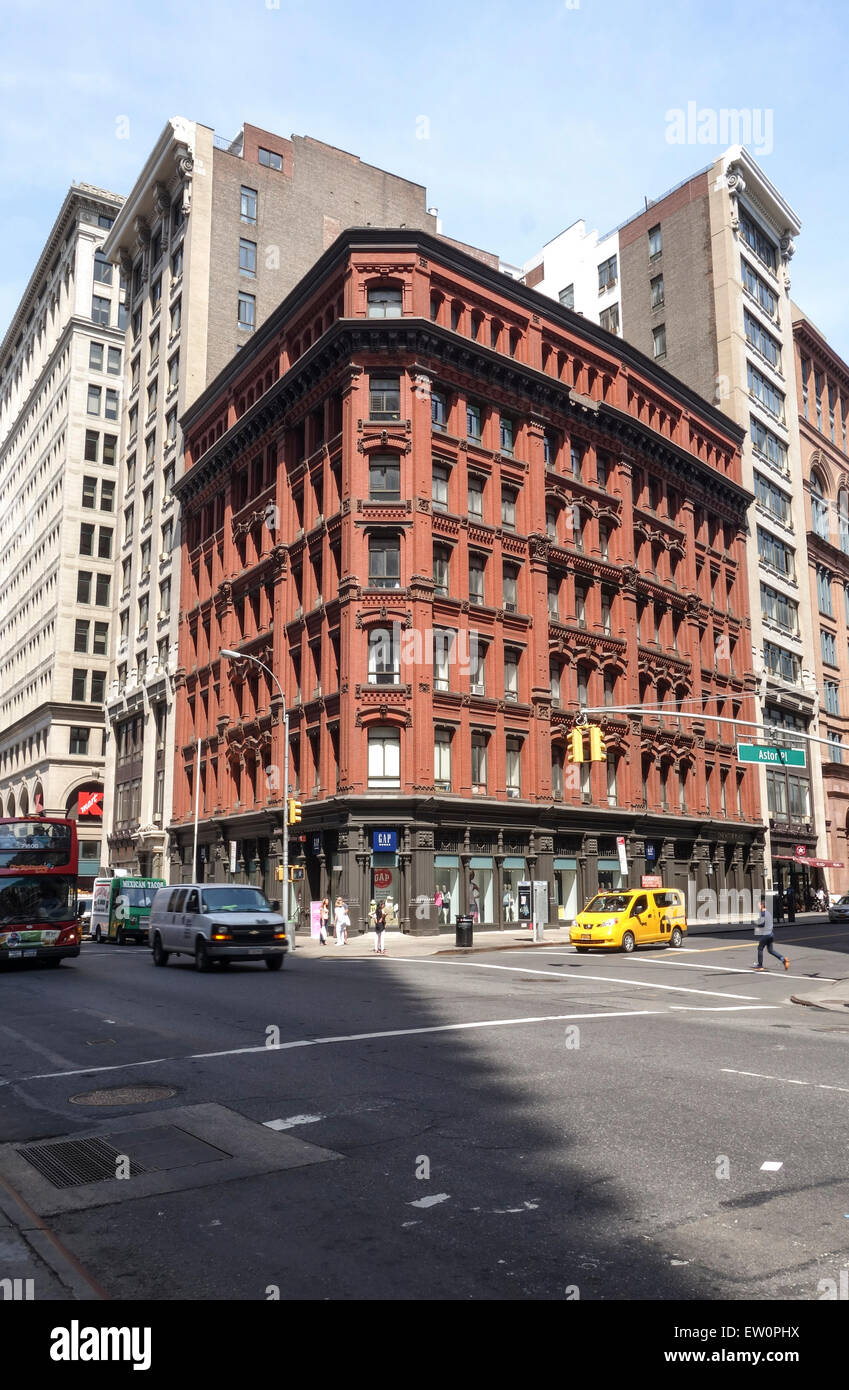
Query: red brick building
[(448, 512)]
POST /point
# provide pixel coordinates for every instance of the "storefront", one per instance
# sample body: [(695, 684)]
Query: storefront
[(566, 888), (385, 875), (610, 875), (445, 898), (481, 894), (514, 872)]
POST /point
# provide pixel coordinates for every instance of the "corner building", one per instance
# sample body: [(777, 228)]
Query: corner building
[(448, 513)]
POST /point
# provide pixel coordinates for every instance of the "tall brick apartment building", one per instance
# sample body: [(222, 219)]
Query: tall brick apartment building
[(448, 513)]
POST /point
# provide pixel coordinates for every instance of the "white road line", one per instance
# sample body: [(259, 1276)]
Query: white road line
[(343, 1038), (292, 1121), (724, 969), (770, 1166), (604, 979), (788, 1080)]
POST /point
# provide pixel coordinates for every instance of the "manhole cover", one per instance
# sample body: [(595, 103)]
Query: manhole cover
[(124, 1095), (76, 1161)]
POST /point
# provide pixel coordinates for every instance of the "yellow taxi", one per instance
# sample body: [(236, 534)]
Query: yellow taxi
[(619, 921)]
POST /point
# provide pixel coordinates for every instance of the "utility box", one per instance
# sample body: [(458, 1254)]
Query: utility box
[(540, 907)]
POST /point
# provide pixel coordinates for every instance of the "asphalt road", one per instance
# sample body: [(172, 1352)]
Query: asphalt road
[(517, 1124)]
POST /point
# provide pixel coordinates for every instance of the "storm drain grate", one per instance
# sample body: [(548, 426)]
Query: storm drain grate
[(77, 1161)]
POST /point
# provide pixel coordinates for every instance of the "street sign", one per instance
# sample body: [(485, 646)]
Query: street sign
[(776, 757)]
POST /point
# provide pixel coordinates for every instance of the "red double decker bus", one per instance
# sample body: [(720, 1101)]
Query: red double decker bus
[(38, 890)]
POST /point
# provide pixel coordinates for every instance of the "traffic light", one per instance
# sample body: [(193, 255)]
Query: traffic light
[(576, 746), (598, 747), (294, 811)]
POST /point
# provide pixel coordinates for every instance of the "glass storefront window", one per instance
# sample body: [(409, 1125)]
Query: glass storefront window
[(446, 888), (480, 890), (566, 889), (514, 872), (610, 875), (385, 886)]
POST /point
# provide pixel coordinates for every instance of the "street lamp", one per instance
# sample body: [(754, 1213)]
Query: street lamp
[(244, 656)]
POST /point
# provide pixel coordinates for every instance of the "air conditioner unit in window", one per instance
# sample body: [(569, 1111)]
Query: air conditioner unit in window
[(513, 791)]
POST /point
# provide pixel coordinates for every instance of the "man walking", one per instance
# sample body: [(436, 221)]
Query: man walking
[(764, 934)]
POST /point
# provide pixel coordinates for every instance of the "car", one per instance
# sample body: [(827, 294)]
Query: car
[(84, 913), (216, 922), (621, 920), (839, 911)]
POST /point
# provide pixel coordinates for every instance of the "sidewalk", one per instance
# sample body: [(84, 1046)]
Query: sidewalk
[(833, 998)]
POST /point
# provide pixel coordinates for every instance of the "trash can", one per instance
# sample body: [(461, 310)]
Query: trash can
[(464, 932)]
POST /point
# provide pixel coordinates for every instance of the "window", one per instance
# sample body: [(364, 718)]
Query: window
[(832, 697), (439, 487), (103, 584), (511, 674), (384, 757), (384, 398), (477, 570), (385, 302), (779, 609), (246, 316), (576, 458), (86, 538), (655, 242), (824, 603), (443, 641), (609, 318), (156, 294), (152, 395), (84, 585), (553, 598), (581, 592), (177, 263), (508, 508), (513, 767), (763, 342), (95, 357), (475, 497), (506, 435), (776, 554), (247, 256), (384, 562), (247, 209), (128, 523), (441, 562), (438, 412), (551, 515), (174, 374), (95, 394), (176, 318), (269, 158), (113, 361), (554, 683), (656, 287), (92, 441), (89, 498), (763, 248), (768, 301), (79, 740), (81, 629), (79, 681), (104, 543), (479, 763), (819, 508), (828, 647), (442, 759), (110, 409), (767, 446), (779, 662), (602, 470), (384, 477), (607, 275), (473, 422), (606, 611), (144, 613), (763, 391), (102, 269), (567, 297), (658, 337), (384, 666), (100, 310), (773, 500)]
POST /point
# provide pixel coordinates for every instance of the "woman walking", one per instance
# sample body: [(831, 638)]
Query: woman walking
[(341, 922), (323, 920), (379, 930)]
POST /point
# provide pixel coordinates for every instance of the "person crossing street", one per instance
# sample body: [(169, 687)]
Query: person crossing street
[(764, 933)]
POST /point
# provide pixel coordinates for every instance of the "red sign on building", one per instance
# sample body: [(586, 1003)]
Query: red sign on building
[(90, 804), (382, 878), (651, 881)]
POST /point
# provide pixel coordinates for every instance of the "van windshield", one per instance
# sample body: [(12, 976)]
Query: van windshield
[(235, 900), (609, 902)]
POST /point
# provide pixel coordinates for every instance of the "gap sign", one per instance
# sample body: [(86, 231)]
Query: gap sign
[(777, 757)]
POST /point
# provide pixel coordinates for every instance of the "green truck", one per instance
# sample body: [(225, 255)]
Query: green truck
[(121, 906)]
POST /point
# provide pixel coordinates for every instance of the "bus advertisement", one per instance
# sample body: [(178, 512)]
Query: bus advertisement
[(38, 890)]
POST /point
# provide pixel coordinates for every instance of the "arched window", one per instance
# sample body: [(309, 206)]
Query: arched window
[(385, 302), (819, 507), (24, 802), (843, 519), (12, 811), (38, 799)]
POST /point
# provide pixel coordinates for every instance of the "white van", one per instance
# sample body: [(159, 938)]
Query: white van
[(101, 906), (216, 922)]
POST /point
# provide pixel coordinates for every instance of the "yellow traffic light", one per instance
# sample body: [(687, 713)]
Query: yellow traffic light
[(576, 746), (294, 811), (598, 747)]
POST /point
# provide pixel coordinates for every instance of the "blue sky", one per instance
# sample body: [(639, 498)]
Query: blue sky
[(536, 114)]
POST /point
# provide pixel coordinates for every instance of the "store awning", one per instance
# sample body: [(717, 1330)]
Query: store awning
[(808, 859)]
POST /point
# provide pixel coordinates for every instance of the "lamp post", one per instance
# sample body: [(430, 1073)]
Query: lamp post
[(244, 656)]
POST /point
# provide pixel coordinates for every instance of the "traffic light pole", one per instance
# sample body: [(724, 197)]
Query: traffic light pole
[(245, 656)]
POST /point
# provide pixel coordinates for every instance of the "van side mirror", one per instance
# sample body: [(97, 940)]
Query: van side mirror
[(275, 904)]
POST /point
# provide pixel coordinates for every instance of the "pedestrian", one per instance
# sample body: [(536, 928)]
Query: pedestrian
[(446, 905), (764, 933), (822, 899), (437, 903), (379, 930), (323, 920), (341, 922)]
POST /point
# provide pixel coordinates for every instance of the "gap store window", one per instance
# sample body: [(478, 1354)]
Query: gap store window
[(566, 888), (480, 889), (445, 899), (514, 872), (610, 875)]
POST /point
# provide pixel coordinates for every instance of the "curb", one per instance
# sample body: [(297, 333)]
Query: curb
[(825, 1008)]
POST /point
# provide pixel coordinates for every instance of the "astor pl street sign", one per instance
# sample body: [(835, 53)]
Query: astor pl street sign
[(777, 757)]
